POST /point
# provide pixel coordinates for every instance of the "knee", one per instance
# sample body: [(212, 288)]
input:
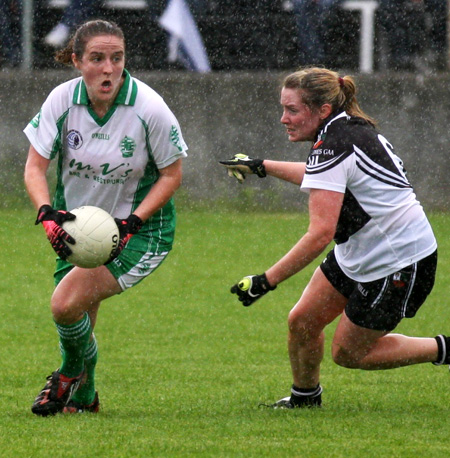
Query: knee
[(295, 322), (301, 328), (62, 310), (345, 357)]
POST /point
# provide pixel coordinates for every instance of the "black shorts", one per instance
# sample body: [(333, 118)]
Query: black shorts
[(383, 303)]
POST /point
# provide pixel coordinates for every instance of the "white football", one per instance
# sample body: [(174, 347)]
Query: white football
[(96, 236)]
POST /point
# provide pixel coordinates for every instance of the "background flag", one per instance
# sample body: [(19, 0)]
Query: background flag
[(185, 43)]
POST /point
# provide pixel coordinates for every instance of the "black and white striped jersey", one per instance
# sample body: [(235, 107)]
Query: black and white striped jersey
[(382, 226)]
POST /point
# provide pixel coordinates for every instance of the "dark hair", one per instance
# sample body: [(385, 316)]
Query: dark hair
[(83, 34), (320, 86)]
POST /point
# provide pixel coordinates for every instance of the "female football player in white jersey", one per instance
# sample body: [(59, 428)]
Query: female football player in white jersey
[(119, 147), (384, 261)]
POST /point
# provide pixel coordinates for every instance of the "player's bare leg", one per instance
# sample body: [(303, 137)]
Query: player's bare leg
[(80, 291), (357, 347), (75, 305), (319, 305)]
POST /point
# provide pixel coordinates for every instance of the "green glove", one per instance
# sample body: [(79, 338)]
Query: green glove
[(240, 164)]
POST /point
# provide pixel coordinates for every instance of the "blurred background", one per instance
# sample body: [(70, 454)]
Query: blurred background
[(244, 34), (219, 65)]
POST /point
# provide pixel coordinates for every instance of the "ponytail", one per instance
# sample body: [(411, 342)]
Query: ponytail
[(64, 56), (321, 86)]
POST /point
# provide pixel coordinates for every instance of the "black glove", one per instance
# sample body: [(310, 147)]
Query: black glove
[(52, 220), (240, 164), (127, 228), (251, 288)]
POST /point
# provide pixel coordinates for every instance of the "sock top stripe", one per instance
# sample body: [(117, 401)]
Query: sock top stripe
[(75, 330), (91, 350), (312, 392), (442, 350)]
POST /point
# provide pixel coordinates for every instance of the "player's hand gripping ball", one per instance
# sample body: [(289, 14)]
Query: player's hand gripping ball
[(241, 164), (127, 228), (96, 236), (251, 288), (53, 220)]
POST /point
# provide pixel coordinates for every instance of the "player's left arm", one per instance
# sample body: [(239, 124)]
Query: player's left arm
[(324, 210), (160, 193), (164, 188)]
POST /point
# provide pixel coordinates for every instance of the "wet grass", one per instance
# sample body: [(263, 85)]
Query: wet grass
[(183, 366)]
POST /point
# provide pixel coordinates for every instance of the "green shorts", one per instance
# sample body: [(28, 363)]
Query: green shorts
[(140, 257)]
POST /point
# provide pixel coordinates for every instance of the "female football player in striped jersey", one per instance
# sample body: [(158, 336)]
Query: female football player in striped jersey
[(383, 264), (118, 147)]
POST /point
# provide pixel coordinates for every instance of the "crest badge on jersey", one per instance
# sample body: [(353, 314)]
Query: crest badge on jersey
[(175, 137), (35, 121), (127, 146), (319, 141), (74, 139)]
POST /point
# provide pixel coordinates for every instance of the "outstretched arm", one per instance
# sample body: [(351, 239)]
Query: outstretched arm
[(324, 211), (241, 165), (292, 172)]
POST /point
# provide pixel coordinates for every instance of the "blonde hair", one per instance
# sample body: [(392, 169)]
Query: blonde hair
[(321, 86)]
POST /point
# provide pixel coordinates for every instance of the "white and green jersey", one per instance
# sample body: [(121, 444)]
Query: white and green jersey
[(110, 162)]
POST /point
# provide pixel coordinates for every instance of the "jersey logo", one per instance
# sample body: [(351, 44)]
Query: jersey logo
[(127, 146), (175, 138), (74, 139), (391, 172), (100, 136), (104, 173), (321, 160), (320, 140), (35, 121)]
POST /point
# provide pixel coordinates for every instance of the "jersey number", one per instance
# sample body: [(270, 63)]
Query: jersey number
[(395, 159)]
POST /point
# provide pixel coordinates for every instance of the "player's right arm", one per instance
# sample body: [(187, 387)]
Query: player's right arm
[(36, 178), (293, 172), (37, 187), (240, 165)]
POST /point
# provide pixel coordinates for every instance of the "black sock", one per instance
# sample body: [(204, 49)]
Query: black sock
[(443, 356), (306, 396)]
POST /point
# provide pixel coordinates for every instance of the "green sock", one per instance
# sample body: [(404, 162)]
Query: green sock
[(74, 339), (86, 393)]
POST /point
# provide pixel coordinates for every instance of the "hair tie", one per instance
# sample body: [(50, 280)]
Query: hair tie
[(341, 82)]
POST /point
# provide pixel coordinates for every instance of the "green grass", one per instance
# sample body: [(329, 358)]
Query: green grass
[(183, 366)]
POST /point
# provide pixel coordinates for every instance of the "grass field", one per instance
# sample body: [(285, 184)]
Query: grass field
[(183, 366)]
